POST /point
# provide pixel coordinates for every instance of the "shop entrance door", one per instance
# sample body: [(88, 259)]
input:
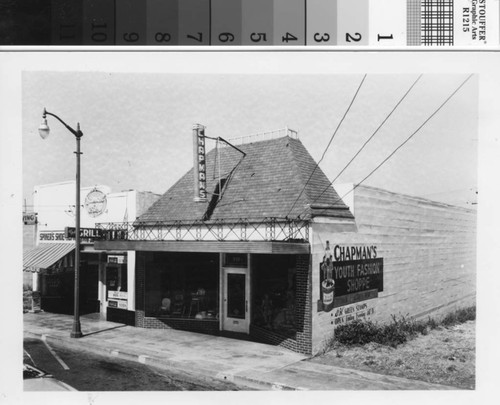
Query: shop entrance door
[(236, 315)]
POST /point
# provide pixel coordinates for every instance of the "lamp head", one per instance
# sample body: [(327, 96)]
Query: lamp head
[(44, 129)]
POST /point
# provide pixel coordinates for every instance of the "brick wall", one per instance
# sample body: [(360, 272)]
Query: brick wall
[(140, 280), (303, 304), (210, 327), (428, 249), (267, 336)]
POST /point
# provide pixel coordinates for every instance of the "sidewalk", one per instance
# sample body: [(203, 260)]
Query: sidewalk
[(245, 363)]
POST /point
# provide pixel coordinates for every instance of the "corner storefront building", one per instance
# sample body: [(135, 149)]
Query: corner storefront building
[(106, 278), (254, 242)]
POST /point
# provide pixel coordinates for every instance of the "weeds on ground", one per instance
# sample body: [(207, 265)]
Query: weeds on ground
[(460, 316), (396, 332)]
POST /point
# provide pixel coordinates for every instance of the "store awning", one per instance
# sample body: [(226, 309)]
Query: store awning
[(45, 255), (269, 247)]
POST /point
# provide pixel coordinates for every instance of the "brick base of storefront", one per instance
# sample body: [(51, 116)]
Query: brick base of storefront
[(210, 327), (269, 337), (301, 343), (120, 316), (303, 304)]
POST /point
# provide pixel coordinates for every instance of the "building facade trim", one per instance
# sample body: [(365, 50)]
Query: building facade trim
[(207, 246)]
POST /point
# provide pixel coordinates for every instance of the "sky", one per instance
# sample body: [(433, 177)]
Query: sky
[(137, 126)]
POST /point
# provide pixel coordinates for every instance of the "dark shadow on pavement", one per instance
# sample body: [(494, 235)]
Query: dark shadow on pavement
[(103, 330)]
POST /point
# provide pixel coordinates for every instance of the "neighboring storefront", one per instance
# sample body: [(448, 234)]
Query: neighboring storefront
[(254, 242), (104, 276)]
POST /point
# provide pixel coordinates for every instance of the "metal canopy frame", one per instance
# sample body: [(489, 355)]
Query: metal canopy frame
[(242, 229)]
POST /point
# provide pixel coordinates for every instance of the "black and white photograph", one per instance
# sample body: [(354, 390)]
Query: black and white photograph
[(249, 222)]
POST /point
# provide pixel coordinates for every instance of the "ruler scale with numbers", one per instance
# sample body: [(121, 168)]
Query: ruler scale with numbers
[(333, 23)]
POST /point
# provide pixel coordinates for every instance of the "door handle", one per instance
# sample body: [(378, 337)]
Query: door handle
[(246, 306)]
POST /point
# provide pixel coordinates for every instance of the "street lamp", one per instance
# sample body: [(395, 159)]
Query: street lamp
[(44, 131)]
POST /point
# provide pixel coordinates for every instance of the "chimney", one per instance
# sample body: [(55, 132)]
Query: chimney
[(199, 164)]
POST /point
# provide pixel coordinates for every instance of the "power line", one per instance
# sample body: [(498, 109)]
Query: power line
[(327, 146), (367, 141), (401, 145), (376, 131)]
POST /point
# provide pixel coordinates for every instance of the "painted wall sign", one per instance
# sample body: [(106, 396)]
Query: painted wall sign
[(85, 233), (342, 281), (341, 253), (29, 218), (356, 297), (358, 275), (353, 312), (95, 202)]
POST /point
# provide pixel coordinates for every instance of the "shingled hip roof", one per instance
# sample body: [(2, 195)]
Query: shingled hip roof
[(263, 184)]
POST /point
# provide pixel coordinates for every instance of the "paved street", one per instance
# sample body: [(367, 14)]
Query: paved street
[(92, 372)]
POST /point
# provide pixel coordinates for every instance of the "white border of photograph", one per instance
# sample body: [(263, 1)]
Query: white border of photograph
[(485, 64)]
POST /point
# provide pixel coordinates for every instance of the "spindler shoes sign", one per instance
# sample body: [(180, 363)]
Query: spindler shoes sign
[(349, 274)]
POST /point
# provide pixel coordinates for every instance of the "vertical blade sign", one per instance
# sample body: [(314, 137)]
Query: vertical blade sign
[(199, 164)]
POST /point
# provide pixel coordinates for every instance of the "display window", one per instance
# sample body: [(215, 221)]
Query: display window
[(274, 291), (183, 285), (116, 278), (117, 286)]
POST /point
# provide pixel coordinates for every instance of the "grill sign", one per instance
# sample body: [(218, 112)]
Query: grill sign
[(85, 233)]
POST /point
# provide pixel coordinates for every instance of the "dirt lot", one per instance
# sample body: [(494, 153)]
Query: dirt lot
[(443, 356)]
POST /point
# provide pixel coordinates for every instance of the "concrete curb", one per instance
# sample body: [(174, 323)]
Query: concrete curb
[(264, 385), (154, 361)]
